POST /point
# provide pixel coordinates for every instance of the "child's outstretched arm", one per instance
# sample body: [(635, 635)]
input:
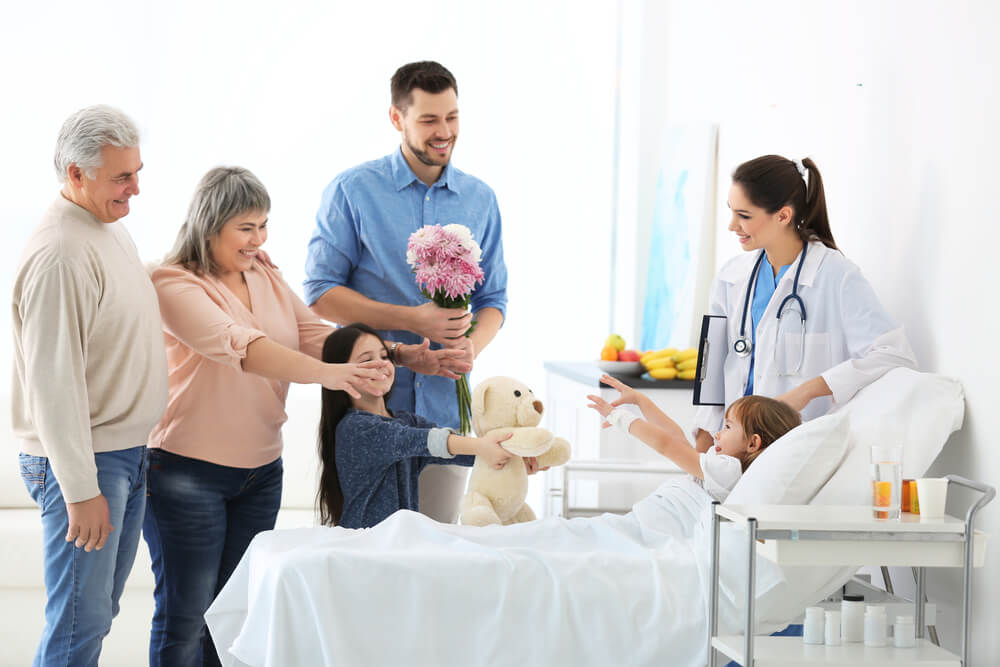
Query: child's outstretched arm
[(667, 442), (488, 447), (653, 414)]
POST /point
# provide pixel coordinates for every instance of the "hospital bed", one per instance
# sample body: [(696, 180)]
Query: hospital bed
[(628, 589)]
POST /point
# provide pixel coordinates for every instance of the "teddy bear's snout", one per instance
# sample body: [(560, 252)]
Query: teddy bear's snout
[(538, 406)]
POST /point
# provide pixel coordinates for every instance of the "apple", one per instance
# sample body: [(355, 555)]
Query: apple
[(615, 341), (628, 355)]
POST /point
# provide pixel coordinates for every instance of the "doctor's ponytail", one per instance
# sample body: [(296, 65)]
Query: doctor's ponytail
[(773, 181)]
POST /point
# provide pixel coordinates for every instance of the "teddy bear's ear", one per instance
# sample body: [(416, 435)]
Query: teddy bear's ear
[(479, 407), (479, 399)]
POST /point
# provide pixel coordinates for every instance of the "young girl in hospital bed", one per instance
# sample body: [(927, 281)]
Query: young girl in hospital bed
[(371, 458), (751, 424)]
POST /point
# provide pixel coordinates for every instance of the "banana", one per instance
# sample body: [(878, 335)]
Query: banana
[(656, 354), (684, 355), (688, 365), (663, 373), (659, 362), (687, 375)]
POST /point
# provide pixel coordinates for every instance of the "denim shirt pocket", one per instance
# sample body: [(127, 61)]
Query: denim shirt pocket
[(32, 469)]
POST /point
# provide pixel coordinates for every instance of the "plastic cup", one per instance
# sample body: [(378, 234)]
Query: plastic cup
[(932, 492), (887, 481)]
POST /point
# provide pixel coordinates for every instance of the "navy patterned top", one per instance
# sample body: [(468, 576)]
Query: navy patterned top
[(379, 460)]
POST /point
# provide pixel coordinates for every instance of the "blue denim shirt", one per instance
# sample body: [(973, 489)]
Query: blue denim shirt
[(364, 222), (379, 460)]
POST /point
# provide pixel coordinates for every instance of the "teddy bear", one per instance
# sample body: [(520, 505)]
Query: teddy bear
[(502, 404)]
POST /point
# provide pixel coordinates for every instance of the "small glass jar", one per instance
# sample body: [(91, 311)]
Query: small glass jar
[(904, 632), (876, 626)]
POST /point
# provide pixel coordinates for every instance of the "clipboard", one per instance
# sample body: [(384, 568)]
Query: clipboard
[(710, 373)]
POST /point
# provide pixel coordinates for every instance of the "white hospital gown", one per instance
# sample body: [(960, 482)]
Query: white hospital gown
[(721, 472)]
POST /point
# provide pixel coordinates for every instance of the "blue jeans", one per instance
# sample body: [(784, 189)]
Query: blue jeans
[(200, 519), (83, 588)]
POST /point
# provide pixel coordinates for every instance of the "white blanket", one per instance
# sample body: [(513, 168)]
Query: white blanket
[(608, 590)]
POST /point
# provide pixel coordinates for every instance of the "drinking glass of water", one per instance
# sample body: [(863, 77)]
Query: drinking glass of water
[(887, 480)]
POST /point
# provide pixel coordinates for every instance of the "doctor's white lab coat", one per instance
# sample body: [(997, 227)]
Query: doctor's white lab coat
[(849, 338)]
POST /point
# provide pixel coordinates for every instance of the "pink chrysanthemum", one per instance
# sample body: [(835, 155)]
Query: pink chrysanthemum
[(446, 263), (445, 260)]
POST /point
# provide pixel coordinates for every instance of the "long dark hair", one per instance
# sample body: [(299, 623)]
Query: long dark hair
[(773, 181), (337, 349)]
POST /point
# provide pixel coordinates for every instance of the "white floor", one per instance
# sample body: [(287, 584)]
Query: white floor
[(21, 620)]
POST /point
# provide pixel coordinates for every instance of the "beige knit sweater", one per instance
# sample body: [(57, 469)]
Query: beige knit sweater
[(90, 372)]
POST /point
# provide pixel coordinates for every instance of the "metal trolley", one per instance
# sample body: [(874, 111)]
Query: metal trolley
[(786, 530)]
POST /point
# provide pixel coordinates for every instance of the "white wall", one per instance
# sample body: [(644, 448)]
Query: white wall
[(297, 92), (897, 102)]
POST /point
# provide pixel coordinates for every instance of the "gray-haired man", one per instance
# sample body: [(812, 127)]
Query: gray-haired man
[(90, 382)]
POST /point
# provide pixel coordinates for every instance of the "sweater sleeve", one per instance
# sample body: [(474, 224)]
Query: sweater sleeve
[(57, 310), (437, 444), (383, 441), (191, 315)]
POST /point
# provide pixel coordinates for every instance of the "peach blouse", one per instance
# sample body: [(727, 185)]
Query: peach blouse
[(216, 411)]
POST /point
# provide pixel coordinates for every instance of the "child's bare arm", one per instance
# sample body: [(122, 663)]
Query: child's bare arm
[(650, 411), (668, 442), (678, 450)]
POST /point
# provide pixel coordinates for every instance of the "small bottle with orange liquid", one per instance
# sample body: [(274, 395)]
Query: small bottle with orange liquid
[(887, 481)]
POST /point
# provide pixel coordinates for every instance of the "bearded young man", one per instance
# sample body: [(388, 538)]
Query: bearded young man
[(356, 267)]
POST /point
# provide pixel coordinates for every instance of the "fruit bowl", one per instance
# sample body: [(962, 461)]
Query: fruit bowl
[(621, 367)]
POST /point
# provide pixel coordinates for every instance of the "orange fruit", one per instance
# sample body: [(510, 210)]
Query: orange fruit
[(609, 353)]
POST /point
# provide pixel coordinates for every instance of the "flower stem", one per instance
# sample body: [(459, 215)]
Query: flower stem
[(464, 404)]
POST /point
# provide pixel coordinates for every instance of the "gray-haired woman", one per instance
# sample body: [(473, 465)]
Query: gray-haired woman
[(236, 335)]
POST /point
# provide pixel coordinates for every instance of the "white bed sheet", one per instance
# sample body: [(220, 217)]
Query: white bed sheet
[(608, 590)]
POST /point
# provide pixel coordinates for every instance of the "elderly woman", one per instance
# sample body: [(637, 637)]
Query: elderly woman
[(236, 335)]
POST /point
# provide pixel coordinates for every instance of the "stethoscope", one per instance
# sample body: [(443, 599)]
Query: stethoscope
[(743, 345)]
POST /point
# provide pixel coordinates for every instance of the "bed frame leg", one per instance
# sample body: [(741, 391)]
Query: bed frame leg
[(751, 576), (713, 599)]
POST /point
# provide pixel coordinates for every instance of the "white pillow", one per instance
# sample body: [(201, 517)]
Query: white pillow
[(916, 410), (796, 465)]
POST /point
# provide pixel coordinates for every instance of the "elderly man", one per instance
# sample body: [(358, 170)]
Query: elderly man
[(90, 382), (356, 268)]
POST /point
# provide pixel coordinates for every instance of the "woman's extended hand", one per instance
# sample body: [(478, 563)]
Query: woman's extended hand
[(490, 449), (446, 362), (368, 377), (629, 396)]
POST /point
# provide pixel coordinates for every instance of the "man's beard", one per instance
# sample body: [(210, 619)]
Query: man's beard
[(426, 158)]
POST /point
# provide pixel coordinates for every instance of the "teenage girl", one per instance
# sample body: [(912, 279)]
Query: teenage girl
[(371, 458)]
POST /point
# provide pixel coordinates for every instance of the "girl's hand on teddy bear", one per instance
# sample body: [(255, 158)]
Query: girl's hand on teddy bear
[(495, 455)]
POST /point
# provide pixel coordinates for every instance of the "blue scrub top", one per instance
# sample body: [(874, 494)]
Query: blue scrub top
[(763, 290)]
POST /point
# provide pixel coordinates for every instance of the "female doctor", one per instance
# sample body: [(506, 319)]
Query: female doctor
[(804, 326)]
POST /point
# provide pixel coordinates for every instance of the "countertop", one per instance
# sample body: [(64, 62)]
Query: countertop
[(588, 373)]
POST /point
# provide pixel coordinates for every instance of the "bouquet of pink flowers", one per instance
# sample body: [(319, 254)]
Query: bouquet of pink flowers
[(446, 263)]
